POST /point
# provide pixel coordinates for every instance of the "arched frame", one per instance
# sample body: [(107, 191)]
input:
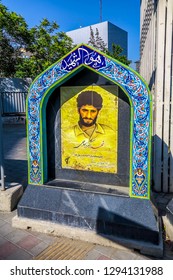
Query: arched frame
[(141, 113)]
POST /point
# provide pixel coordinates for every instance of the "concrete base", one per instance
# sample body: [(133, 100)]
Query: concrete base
[(51, 228), (130, 222), (10, 196)]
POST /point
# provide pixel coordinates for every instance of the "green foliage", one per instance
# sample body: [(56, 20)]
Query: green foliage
[(117, 54), (46, 47), (14, 35), (27, 52)]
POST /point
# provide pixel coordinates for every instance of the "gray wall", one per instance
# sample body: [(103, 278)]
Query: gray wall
[(13, 92), (109, 32)]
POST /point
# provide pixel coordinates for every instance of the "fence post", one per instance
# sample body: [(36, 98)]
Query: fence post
[(1, 151)]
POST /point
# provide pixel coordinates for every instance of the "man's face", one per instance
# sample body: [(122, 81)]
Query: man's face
[(88, 115)]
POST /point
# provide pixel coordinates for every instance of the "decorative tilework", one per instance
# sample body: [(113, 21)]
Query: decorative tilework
[(124, 77)]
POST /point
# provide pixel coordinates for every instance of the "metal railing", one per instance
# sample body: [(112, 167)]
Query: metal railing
[(13, 103)]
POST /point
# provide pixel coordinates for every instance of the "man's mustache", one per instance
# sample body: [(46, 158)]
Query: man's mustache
[(88, 119)]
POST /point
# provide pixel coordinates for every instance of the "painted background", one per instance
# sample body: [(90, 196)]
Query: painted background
[(94, 154)]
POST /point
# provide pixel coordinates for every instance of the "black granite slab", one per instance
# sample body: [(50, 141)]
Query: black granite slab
[(105, 214), (83, 79), (87, 186)]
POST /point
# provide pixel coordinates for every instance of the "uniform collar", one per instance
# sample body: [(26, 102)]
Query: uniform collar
[(79, 131)]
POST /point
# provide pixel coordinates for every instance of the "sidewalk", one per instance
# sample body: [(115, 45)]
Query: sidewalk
[(16, 244), (15, 156)]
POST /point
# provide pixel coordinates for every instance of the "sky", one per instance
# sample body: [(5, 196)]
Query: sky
[(73, 14)]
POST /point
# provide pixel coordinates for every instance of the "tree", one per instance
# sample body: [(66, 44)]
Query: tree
[(117, 54), (92, 40), (44, 44), (14, 35), (97, 42), (46, 47)]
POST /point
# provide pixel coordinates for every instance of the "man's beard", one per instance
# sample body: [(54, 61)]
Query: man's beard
[(82, 123)]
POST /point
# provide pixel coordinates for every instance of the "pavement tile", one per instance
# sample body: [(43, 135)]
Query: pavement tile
[(2, 222), (102, 257), (34, 233), (2, 240), (6, 229), (123, 255), (20, 255), (47, 238), (107, 251), (28, 242), (7, 249), (36, 250), (7, 216), (92, 255), (16, 235), (10, 215)]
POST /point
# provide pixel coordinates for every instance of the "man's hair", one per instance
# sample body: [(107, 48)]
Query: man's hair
[(89, 97)]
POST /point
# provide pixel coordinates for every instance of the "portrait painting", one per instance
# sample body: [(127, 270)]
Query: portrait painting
[(89, 128)]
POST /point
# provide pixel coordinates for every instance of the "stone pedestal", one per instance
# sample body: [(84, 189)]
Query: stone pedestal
[(131, 222), (10, 196)]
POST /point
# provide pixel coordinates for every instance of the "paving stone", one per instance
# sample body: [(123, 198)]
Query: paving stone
[(11, 215), (36, 250), (16, 235), (102, 257), (34, 233), (67, 249), (7, 249), (92, 255), (28, 242), (2, 240), (6, 229), (123, 255), (7, 216), (20, 255), (2, 222), (47, 238), (107, 251)]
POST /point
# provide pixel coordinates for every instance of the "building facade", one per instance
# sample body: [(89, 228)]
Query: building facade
[(109, 32), (156, 66)]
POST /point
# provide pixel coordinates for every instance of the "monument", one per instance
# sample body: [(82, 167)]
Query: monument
[(89, 121)]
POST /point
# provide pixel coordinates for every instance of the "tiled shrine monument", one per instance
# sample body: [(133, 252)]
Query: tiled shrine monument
[(89, 151)]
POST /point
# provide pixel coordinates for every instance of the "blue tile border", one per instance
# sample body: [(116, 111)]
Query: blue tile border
[(128, 80)]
